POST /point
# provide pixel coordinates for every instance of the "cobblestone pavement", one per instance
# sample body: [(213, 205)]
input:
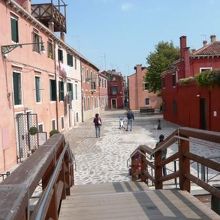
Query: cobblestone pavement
[(105, 159)]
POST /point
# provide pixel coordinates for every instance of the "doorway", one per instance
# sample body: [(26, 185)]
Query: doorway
[(203, 112), (114, 104)]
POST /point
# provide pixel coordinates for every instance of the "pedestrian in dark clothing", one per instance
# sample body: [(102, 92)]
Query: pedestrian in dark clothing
[(97, 122), (130, 117), (163, 153)]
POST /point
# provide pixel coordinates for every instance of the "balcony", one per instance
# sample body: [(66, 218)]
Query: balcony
[(49, 12)]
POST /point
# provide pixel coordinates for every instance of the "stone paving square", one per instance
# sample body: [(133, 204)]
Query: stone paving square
[(100, 160)]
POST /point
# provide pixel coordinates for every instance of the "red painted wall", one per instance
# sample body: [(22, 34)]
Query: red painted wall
[(182, 103), (188, 106)]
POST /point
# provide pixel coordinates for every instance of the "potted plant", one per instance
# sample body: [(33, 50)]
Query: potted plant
[(54, 131), (33, 130)]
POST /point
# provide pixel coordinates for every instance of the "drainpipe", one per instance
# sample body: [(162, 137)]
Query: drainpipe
[(82, 93), (55, 65)]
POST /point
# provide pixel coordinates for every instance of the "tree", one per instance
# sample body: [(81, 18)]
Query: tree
[(160, 60)]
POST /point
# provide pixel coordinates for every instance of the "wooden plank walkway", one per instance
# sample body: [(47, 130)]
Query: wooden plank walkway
[(131, 201)]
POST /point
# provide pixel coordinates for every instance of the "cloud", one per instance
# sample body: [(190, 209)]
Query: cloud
[(127, 6)]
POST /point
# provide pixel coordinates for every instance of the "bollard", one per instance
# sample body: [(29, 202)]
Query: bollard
[(215, 201), (159, 125)]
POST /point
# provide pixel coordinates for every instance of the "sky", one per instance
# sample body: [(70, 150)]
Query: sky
[(118, 34)]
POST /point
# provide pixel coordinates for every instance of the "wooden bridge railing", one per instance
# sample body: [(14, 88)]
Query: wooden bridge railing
[(49, 171), (140, 160)]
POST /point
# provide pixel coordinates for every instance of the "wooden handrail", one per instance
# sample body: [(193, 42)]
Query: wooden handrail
[(51, 160), (184, 136)]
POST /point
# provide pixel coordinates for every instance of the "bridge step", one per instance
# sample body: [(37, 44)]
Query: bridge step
[(115, 187), (118, 202)]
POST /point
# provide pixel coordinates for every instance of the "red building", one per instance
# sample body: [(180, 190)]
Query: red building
[(189, 104), (139, 96), (116, 87)]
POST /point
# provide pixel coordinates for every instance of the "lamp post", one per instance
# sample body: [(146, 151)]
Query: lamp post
[(5, 49)]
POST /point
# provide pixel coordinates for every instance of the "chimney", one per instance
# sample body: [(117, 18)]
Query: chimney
[(62, 36), (138, 68), (213, 38), (187, 62), (26, 4), (204, 43), (51, 26), (182, 45)]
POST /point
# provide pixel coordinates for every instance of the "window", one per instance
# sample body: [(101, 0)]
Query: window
[(17, 88), (53, 90), (93, 86), (69, 60), (105, 83), (60, 55), (40, 128), (14, 29), (145, 85), (37, 42), (50, 51), (76, 93), (53, 124), (173, 79), (203, 69), (114, 90), (37, 89), (147, 101), (77, 117), (62, 122), (70, 90), (75, 63), (61, 91)]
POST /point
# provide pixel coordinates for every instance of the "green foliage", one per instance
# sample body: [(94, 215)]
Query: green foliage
[(209, 78), (54, 131), (160, 60), (186, 81), (33, 130)]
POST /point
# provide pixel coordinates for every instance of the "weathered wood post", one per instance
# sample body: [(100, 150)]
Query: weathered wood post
[(143, 166), (184, 165), (136, 166), (158, 170)]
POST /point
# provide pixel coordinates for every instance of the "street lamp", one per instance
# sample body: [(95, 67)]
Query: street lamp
[(5, 49)]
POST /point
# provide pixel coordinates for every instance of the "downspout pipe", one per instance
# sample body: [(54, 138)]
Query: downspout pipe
[(55, 67)]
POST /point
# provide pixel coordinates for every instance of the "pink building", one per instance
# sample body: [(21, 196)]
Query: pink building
[(90, 90), (103, 91), (40, 92), (139, 97)]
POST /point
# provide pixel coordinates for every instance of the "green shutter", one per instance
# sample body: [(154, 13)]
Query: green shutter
[(53, 90), (37, 88), (61, 91), (17, 88), (14, 30)]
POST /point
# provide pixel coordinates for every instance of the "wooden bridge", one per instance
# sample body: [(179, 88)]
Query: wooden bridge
[(41, 187)]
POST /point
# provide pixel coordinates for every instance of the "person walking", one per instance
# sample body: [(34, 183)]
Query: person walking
[(97, 122), (130, 117)]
